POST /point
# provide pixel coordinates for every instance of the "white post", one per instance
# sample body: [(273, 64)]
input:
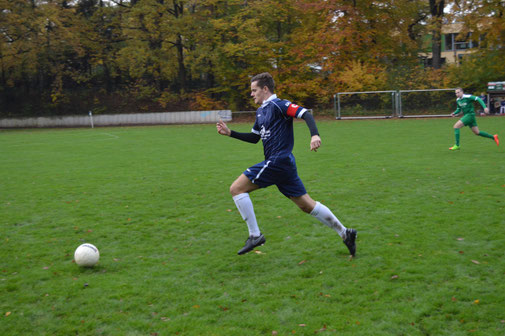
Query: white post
[(91, 119)]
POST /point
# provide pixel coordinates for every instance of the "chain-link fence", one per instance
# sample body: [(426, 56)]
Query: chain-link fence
[(365, 105), (426, 103), (394, 103)]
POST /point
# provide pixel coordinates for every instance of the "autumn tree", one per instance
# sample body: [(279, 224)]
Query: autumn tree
[(38, 44), (351, 46), (130, 55)]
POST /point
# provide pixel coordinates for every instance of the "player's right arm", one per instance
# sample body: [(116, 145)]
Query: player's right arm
[(458, 110), (223, 129)]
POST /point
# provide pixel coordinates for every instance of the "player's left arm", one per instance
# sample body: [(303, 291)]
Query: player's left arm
[(315, 140), (295, 111), (481, 102)]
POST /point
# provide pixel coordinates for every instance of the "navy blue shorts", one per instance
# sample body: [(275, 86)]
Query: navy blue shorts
[(281, 172)]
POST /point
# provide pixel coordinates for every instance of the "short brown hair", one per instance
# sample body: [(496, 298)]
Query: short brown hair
[(264, 79)]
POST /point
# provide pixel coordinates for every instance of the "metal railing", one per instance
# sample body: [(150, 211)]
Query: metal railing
[(378, 111)]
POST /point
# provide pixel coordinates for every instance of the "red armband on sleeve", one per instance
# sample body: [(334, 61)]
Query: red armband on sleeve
[(292, 110)]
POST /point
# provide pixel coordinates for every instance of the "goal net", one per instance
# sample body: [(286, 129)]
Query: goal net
[(365, 105), (426, 103)]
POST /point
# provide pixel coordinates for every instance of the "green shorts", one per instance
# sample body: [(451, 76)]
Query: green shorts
[(469, 120)]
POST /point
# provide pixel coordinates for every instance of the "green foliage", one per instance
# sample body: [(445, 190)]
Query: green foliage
[(477, 70), (155, 201)]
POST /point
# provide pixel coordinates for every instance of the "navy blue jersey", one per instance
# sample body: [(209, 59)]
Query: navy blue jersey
[(274, 123)]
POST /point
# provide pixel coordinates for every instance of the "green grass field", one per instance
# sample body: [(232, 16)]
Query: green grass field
[(155, 201)]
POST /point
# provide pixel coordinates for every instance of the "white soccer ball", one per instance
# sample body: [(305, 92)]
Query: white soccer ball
[(86, 255)]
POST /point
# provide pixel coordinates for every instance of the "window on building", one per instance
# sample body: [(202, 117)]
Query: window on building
[(452, 42), (449, 40)]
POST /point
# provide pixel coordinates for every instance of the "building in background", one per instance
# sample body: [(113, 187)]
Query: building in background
[(454, 46)]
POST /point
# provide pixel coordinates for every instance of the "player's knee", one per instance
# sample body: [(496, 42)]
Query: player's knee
[(234, 190), (306, 208)]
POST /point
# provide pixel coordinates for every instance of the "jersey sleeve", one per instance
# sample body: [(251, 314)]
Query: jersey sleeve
[(480, 101), (292, 110)]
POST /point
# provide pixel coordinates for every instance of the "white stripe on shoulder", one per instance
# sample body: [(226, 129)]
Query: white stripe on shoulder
[(276, 105), (255, 132), (284, 116)]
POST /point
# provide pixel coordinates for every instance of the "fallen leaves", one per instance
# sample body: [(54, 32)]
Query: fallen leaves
[(476, 262), (394, 277), (7, 314)]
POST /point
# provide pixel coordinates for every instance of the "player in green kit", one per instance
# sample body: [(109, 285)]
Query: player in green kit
[(465, 105)]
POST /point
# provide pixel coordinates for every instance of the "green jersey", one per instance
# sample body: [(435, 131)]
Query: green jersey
[(465, 104)]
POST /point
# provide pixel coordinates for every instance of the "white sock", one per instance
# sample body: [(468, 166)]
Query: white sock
[(245, 207), (325, 216)]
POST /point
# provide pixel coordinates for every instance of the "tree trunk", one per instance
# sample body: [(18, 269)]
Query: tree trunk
[(437, 14), (180, 61), (178, 12)]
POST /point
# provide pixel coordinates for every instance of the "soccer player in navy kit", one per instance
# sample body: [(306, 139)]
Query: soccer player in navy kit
[(274, 126)]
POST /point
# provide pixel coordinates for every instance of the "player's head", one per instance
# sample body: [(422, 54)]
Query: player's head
[(262, 87), (459, 92)]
